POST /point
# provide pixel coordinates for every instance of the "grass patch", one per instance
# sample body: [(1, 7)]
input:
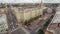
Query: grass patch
[(41, 31)]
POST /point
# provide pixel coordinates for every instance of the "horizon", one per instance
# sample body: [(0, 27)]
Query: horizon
[(29, 1)]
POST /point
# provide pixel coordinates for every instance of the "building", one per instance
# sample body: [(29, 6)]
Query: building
[(28, 11), (54, 26), (3, 21)]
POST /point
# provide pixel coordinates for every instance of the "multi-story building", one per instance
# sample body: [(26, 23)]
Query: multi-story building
[(27, 12), (54, 26)]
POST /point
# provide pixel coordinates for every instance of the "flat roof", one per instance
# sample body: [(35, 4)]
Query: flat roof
[(56, 18)]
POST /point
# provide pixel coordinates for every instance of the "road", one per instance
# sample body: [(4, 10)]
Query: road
[(12, 23), (40, 26), (36, 25), (18, 31), (11, 19)]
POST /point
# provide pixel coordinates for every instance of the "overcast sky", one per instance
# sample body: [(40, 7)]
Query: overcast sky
[(29, 1)]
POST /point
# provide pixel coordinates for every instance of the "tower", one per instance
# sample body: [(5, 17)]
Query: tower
[(41, 7), (41, 2)]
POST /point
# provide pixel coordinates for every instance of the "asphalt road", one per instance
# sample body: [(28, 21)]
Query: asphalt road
[(39, 27), (19, 31), (12, 23), (11, 19)]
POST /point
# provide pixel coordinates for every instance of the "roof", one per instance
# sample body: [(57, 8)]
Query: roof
[(53, 26), (56, 18)]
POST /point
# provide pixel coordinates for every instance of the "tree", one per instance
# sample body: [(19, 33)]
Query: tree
[(40, 31), (55, 5)]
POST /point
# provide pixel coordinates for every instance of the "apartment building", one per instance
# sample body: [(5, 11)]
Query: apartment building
[(27, 12)]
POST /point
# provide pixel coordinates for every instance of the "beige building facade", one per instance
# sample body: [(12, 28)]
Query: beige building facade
[(27, 13)]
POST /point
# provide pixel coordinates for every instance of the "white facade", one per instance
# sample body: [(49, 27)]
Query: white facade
[(3, 22)]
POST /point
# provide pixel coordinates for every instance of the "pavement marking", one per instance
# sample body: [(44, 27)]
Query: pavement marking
[(27, 32)]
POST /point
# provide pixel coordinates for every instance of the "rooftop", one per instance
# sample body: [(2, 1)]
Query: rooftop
[(54, 26), (56, 18)]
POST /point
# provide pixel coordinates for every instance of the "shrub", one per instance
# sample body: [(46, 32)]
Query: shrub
[(30, 20), (36, 17), (40, 31), (46, 24), (25, 23)]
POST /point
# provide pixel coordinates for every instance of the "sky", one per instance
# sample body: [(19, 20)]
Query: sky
[(29, 1)]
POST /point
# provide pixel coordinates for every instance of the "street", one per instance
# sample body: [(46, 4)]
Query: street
[(19, 31), (37, 24), (40, 26), (11, 19)]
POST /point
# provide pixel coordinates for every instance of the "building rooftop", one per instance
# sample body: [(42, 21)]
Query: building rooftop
[(54, 26), (56, 18)]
